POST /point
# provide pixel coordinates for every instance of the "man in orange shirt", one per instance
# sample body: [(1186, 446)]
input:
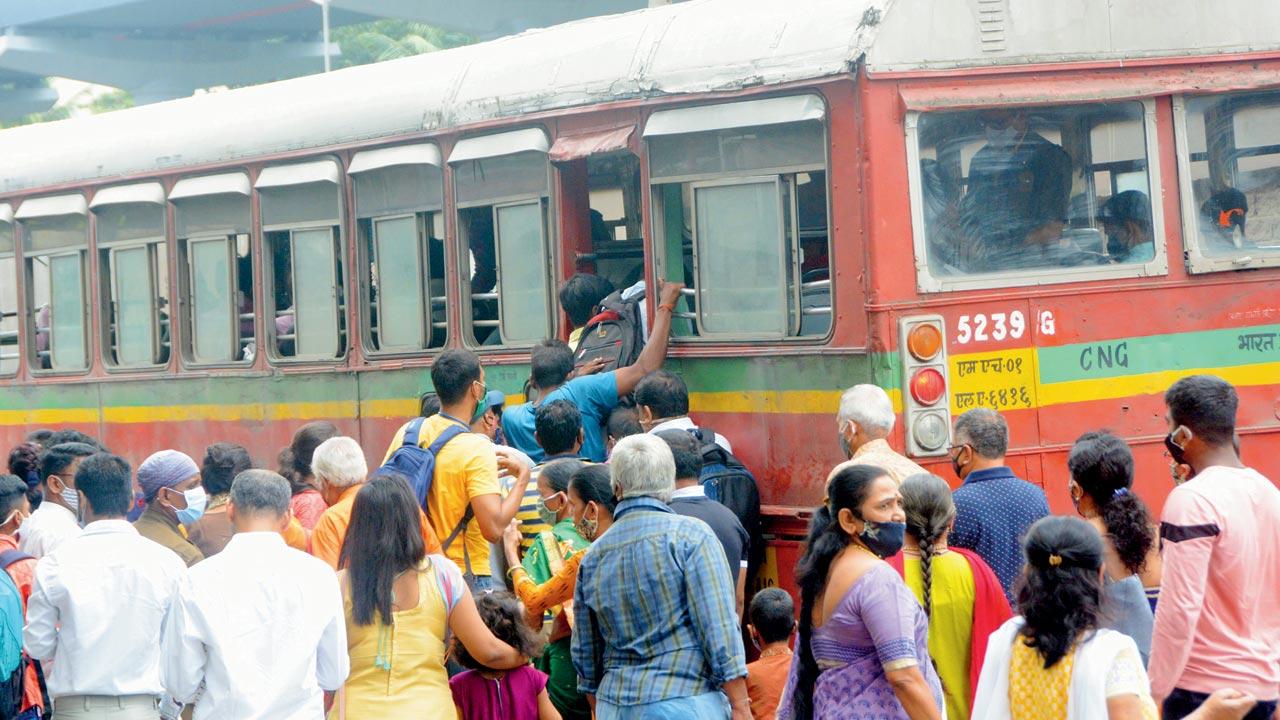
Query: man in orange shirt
[(14, 508), (340, 470), (773, 619)]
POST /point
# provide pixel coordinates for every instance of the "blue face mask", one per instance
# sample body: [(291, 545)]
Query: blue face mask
[(196, 501), (884, 538)]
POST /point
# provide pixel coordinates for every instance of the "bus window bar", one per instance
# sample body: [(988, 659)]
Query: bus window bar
[(483, 296), (816, 284), (438, 300), (485, 323), (247, 316), (440, 325), (688, 292), (825, 310), (8, 334), (8, 315), (685, 315)]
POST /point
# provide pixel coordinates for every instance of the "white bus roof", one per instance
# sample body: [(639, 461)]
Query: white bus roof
[(697, 46)]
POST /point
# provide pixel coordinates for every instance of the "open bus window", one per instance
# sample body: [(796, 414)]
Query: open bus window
[(215, 268), (134, 281), (501, 185), (1018, 190), (1233, 143), (54, 248), (741, 212), (399, 197), (9, 322), (617, 247), (301, 215)]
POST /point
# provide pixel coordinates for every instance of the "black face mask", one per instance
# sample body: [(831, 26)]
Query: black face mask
[(1175, 451)]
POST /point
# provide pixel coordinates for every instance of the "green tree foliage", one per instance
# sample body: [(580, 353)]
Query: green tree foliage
[(390, 39)]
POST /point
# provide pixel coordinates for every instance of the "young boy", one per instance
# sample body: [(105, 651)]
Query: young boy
[(773, 619)]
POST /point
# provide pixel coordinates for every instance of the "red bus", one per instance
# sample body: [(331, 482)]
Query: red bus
[(1054, 212)]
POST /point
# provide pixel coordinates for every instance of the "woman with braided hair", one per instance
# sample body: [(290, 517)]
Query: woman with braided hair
[(960, 593)]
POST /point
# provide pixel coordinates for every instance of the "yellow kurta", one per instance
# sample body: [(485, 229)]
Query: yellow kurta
[(417, 685), (950, 624)]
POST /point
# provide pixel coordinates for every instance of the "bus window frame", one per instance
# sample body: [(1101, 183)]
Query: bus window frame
[(462, 244), (1198, 262), (787, 259), (229, 232), (110, 289), (651, 189), (928, 283), (551, 308), (80, 249), (336, 226), (425, 214), (11, 253)]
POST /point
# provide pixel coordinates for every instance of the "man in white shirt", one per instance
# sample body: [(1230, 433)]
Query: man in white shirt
[(662, 399), (98, 603), (260, 625), (55, 520)]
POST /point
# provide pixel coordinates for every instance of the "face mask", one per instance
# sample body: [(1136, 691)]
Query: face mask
[(956, 467), (546, 514), (196, 500), (587, 527), (845, 445), (71, 498), (15, 514), (1001, 137), (883, 538)]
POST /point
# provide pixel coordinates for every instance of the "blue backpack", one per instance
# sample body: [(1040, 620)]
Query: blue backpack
[(419, 465)]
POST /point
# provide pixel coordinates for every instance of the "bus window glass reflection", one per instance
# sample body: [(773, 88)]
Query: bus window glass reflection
[(54, 251), (9, 321), (1234, 144), (1025, 189), (741, 213)]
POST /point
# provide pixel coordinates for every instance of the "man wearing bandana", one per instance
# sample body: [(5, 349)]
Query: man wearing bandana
[(1218, 621)]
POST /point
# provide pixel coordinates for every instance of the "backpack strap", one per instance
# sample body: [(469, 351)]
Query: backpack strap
[(443, 438), (9, 557), (413, 432)]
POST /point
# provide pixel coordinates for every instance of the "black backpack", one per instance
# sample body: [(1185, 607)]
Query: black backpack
[(615, 334), (727, 481)]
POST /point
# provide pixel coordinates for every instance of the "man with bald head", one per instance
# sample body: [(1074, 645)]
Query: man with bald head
[(260, 626)]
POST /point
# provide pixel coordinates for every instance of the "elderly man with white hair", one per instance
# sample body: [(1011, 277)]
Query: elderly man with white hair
[(657, 632), (340, 469), (865, 419)]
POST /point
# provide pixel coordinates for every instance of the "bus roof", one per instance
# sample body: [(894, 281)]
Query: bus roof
[(698, 46)]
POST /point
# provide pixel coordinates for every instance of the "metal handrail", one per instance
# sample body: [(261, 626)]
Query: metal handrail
[(823, 310), (483, 296)]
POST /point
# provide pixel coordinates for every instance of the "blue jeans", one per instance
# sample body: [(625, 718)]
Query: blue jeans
[(707, 705), (481, 584)]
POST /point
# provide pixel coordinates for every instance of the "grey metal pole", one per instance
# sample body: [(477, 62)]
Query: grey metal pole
[(324, 30)]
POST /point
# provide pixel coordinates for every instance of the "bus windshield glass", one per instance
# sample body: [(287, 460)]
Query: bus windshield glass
[(1018, 190)]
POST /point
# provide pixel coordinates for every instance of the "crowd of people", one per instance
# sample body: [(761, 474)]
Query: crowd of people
[(563, 558)]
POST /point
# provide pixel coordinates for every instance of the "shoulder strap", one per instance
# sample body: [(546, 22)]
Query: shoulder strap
[(444, 437), (9, 557), (413, 432)]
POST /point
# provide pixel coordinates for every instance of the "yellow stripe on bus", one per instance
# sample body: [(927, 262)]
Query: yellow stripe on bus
[(1151, 383)]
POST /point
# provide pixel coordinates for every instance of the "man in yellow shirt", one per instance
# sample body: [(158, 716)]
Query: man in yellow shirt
[(466, 471)]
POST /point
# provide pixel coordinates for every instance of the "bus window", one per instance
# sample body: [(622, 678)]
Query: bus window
[(1232, 179), (399, 197), (8, 295), (215, 268), (133, 274), (740, 212), (1008, 192), (617, 246), (301, 214), (55, 240), (501, 187)]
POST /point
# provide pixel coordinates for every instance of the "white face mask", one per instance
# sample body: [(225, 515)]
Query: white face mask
[(15, 514), (70, 497), (1001, 137)]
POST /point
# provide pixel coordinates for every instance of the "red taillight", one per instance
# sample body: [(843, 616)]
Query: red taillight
[(928, 386)]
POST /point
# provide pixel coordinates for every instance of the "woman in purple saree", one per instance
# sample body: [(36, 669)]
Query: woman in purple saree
[(863, 648)]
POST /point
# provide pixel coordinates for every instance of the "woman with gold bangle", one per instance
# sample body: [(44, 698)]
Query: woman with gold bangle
[(588, 507)]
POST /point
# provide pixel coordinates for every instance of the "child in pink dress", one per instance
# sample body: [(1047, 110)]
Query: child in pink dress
[(482, 693)]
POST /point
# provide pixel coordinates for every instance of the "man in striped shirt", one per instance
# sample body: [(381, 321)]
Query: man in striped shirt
[(657, 634)]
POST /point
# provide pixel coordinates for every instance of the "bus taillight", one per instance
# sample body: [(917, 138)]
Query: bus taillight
[(925, 410)]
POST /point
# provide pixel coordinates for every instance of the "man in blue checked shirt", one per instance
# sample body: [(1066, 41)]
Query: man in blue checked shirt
[(657, 634)]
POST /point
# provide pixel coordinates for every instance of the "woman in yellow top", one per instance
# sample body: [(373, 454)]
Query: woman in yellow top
[(1055, 661), (960, 593), (589, 504), (399, 604)]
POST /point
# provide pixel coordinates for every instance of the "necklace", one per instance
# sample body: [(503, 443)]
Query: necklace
[(774, 652)]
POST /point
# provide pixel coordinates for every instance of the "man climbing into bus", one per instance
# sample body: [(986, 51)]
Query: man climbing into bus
[(595, 395), (580, 296), (1018, 189)]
